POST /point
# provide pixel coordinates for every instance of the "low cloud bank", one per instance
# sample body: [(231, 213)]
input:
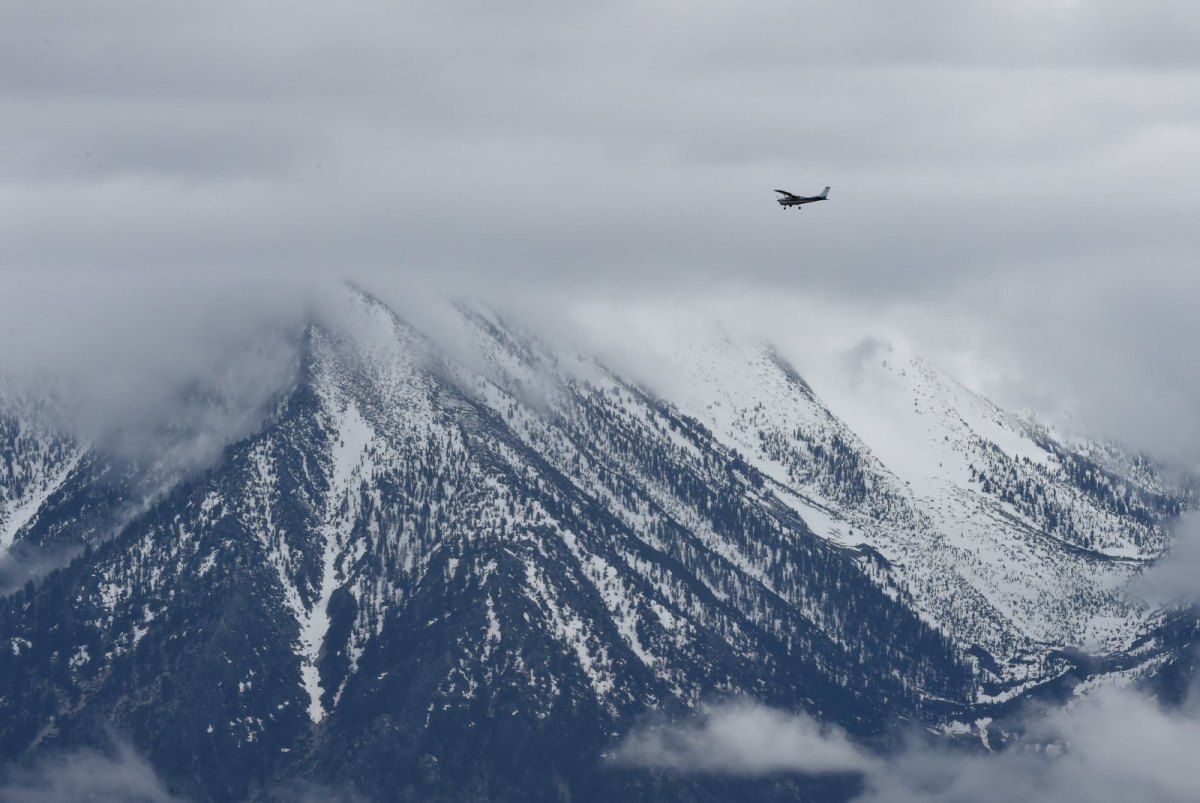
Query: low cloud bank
[(1175, 579), (1115, 745), (165, 370), (744, 738), (118, 777), (25, 561)]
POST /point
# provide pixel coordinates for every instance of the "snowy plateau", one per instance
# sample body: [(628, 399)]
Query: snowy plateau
[(463, 565)]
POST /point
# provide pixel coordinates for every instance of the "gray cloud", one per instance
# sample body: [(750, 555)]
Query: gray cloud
[(167, 367), (744, 738), (1175, 578), (552, 141), (1114, 745), (1008, 177), (25, 561), (121, 776)]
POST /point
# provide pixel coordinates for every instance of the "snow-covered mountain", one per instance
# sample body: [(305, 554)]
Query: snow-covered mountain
[(461, 567), (1013, 542)]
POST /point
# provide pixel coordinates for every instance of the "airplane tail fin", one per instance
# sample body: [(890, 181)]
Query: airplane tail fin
[(825, 194)]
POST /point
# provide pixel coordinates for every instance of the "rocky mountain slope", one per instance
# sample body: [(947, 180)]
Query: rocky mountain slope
[(463, 572)]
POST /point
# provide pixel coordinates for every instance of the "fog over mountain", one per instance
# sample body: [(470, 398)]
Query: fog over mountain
[(563, 213), (1011, 178)]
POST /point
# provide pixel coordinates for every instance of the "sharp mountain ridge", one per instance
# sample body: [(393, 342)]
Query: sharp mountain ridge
[(435, 576)]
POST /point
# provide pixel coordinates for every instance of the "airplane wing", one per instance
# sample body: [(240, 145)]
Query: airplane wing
[(785, 192)]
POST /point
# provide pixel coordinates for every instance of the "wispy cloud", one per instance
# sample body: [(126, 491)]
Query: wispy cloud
[(166, 369), (1113, 746), (25, 561), (743, 738), (117, 776), (1116, 745), (1175, 578)]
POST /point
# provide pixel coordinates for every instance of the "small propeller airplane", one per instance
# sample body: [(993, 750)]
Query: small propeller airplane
[(789, 199)]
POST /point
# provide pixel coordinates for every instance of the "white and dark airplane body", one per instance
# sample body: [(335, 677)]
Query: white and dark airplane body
[(789, 199)]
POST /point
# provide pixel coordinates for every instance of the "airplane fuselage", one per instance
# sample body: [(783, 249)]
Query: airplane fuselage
[(789, 199), (799, 201)]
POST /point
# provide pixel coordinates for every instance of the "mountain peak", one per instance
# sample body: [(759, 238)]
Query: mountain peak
[(438, 560)]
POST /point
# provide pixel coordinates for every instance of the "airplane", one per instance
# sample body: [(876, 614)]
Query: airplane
[(789, 199)]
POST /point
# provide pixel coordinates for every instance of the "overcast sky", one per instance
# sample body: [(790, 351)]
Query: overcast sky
[(1015, 179)]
